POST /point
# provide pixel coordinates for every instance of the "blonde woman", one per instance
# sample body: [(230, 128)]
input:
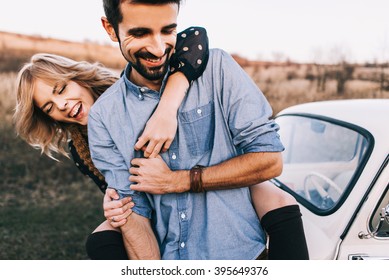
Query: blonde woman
[(54, 96)]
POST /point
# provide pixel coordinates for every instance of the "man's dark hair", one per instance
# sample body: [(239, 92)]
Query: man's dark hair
[(114, 14)]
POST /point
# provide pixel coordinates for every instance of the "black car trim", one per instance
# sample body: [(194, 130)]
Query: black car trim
[(362, 201)]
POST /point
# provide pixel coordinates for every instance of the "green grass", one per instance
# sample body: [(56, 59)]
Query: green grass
[(47, 208), (38, 233)]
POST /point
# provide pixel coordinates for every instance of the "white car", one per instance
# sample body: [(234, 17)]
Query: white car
[(336, 166)]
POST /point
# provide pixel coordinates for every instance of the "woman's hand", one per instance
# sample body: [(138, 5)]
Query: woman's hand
[(116, 211), (159, 132), (161, 128)]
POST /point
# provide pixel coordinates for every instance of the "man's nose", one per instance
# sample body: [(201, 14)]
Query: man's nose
[(157, 46)]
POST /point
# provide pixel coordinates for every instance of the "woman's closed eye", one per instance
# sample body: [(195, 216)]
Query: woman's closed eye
[(48, 108), (62, 89)]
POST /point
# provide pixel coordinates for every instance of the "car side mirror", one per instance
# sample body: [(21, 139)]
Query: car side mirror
[(384, 218)]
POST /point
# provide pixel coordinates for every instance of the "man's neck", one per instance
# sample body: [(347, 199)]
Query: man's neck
[(141, 81)]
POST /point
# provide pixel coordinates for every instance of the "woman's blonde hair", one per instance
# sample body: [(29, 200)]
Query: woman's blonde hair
[(36, 127)]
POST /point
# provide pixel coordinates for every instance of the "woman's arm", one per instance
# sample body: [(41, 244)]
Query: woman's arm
[(191, 53), (187, 64), (162, 126)]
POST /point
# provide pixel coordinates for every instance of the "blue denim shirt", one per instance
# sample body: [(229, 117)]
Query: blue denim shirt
[(223, 115)]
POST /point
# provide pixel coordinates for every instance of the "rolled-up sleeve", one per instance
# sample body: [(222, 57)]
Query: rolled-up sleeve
[(248, 112), (112, 165), (191, 53)]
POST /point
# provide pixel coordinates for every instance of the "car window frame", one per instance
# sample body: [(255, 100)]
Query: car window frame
[(370, 146)]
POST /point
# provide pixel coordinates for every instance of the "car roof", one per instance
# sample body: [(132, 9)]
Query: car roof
[(371, 114)]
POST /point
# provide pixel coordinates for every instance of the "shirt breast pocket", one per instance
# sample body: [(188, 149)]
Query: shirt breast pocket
[(199, 128)]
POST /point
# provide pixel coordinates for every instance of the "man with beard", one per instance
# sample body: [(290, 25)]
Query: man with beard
[(224, 124)]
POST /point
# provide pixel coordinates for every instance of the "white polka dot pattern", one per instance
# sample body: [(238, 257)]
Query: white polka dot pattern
[(191, 53)]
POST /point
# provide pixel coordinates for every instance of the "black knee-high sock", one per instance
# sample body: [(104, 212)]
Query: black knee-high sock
[(286, 234), (106, 245)]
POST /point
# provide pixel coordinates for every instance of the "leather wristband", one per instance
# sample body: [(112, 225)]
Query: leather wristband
[(196, 183)]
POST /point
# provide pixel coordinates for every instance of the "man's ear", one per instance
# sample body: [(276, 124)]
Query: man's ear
[(109, 29)]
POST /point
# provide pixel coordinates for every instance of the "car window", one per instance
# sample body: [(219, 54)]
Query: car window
[(320, 159)]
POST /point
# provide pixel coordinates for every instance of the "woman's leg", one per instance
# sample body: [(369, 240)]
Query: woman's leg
[(106, 243), (281, 218)]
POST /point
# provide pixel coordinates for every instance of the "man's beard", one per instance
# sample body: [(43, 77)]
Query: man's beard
[(151, 73)]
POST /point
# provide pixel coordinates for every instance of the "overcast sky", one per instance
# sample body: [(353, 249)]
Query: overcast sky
[(302, 30)]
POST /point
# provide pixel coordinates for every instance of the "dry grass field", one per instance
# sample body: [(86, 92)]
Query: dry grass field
[(17, 48), (47, 208), (287, 85)]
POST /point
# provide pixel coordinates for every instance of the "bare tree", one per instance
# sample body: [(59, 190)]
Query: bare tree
[(384, 64), (321, 70), (343, 71)]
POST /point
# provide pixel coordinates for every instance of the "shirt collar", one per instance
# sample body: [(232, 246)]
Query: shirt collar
[(139, 90)]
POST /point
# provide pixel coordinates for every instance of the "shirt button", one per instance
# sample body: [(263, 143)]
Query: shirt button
[(199, 111), (142, 89), (174, 156), (182, 245), (140, 97), (183, 216)]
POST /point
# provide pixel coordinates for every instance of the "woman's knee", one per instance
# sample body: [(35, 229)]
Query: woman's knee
[(267, 197), (105, 226), (284, 198), (106, 245)]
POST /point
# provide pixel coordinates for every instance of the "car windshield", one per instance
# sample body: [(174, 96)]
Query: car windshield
[(321, 158)]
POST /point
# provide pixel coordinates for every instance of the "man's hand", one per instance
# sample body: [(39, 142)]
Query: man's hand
[(116, 211), (153, 176)]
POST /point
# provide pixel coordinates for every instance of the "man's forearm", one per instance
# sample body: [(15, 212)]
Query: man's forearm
[(241, 171), (244, 170), (139, 239), (154, 176)]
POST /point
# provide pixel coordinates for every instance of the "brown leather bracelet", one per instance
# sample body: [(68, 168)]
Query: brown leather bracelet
[(196, 183)]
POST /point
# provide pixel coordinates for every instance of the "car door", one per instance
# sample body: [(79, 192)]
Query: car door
[(368, 234)]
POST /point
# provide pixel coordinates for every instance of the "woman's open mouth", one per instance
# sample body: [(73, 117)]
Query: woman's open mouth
[(75, 112)]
